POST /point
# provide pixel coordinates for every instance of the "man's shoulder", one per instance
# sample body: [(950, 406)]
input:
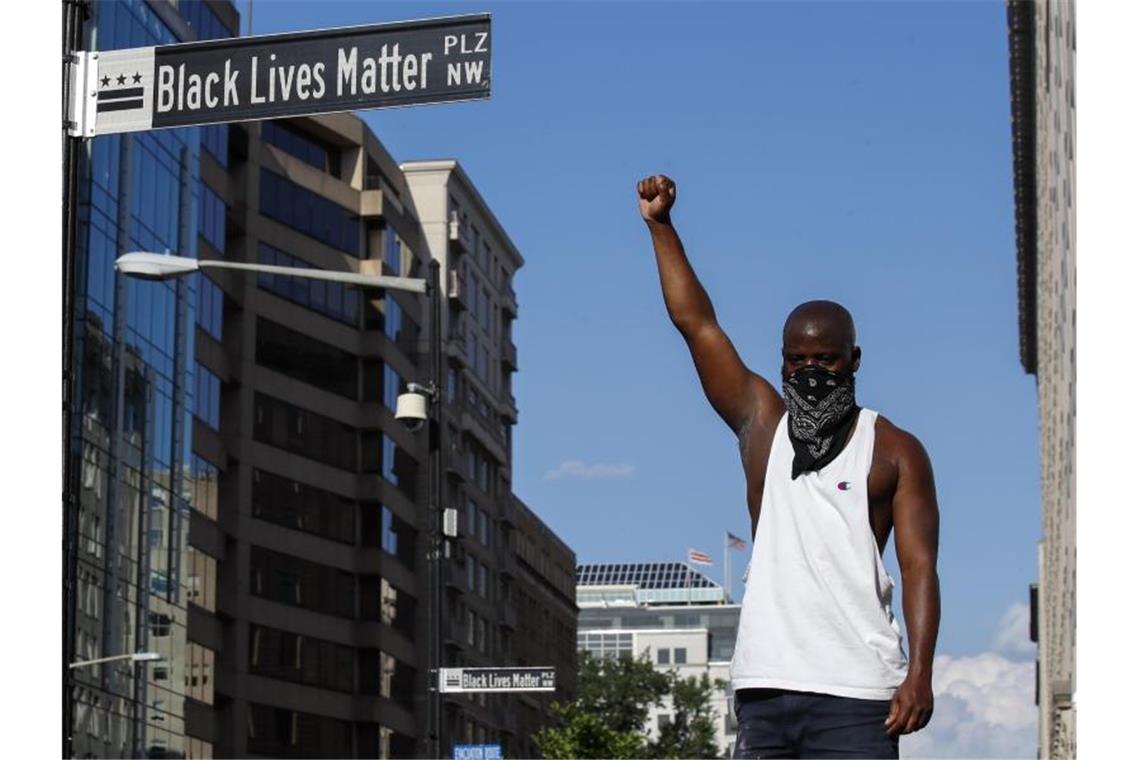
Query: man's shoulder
[(895, 443)]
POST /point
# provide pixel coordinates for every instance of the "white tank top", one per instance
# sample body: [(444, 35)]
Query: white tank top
[(817, 605)]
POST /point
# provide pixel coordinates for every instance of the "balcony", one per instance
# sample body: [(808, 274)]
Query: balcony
[(458, 233), (457, 290), (455, 468), (508, 568), (454, 634), (456, 347), (509, 617), (454, 578), (509, 354), (509, 409), (510, 301)]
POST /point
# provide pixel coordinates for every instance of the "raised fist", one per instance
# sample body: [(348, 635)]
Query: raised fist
[(655, 197)]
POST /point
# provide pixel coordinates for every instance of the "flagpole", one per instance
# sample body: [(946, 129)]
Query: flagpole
[(727, 572), (689, 584)]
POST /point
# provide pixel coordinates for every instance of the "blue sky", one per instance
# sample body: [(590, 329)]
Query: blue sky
[(853, 151)]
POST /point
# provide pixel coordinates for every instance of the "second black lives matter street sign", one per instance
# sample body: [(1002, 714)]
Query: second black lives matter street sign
[(279, 75)]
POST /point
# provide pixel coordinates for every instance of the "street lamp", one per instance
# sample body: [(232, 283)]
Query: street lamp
[(133, 657), (157, 266), (410, 410)]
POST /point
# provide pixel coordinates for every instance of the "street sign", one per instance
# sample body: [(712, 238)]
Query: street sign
[(477, 752), (279, 75), (496, 679)]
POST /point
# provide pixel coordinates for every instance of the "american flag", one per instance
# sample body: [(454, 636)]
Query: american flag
[(734, 542), (699, 558)]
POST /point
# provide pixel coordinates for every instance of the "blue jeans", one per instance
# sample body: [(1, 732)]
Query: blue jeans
[(780, 723)]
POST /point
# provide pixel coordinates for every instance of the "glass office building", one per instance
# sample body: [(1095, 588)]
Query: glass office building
[(135, 576)]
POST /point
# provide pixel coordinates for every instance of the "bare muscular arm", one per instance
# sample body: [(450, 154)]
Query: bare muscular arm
[(736, 393), (915, 514)]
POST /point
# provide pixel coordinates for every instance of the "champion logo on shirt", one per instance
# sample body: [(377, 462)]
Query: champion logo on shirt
[(844, 485)]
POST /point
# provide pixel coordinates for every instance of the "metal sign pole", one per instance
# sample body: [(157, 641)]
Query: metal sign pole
[(435, 305), (74, 14)]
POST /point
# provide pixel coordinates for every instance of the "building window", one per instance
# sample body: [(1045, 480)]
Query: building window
[(311, 150), (210, 303), (393, 384), (399, 327), (212, 219), (482, 526), (216, 141), (381, 601), (395, 744), (204, 487), (389, 539), (159, 624), (305, 211), (307, 359), (202, 20), (302, 659), (297, 582), (606, 644), (289, 503), (397, 679), (207, 396), (680, 656), (332, 299), (299, 431), (382, 528), (201, 578), (393, 252), (452, 384), (662, 721), (399, 468), (277, 732), (662, 656), (199, 675)]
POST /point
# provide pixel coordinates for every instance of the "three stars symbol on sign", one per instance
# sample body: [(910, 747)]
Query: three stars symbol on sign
[(120, 80)]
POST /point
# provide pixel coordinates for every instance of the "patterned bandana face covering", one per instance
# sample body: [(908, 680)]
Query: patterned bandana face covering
[(821, 411)]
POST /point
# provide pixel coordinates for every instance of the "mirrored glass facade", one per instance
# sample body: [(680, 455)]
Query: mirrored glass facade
[(137, 578)]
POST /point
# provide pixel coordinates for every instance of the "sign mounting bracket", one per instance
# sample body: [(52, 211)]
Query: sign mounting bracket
[(81, 71)]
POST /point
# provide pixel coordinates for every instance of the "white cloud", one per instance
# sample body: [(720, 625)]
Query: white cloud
[(983, 704), (1012, 637), (575, 468), (983, 707)]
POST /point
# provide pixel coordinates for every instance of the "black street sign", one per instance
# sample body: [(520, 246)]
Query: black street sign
[(278, 75), (496, 679)]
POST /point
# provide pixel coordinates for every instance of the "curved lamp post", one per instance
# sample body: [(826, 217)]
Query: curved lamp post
[(133, 657), (156, 266)]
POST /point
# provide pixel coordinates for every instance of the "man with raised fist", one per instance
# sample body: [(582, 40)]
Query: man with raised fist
[(819, 668)]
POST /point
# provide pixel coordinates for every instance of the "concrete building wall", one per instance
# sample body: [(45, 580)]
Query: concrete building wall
[(1042, 60), (1056, 370)]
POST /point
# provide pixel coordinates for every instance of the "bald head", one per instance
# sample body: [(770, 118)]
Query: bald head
[(820, 333), (819, 318)]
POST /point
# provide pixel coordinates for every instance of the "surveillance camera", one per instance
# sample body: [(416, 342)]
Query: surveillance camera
[(411, 409)]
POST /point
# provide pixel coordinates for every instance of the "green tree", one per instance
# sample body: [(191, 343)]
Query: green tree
[(691, 732), (607, 718)]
